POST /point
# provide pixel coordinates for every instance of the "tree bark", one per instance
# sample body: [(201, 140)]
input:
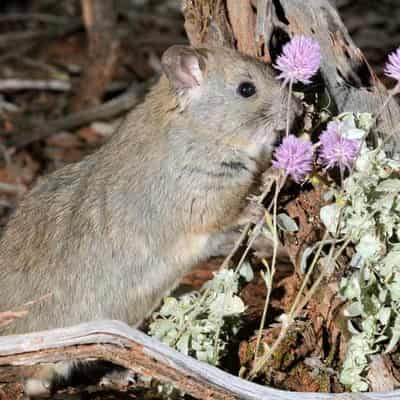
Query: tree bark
[(100, 23), (130, 348), (348, 79)]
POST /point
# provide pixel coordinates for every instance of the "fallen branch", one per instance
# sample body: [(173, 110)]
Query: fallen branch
[(116, 342), (18, 52), (110, 109), (40, 17), (12, 188), (7, 85), (13, 85), (8, 40)]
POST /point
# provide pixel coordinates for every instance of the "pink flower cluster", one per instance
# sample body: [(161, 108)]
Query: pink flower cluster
[(392, 67), (295, 156), (299, 61), (336, 150)]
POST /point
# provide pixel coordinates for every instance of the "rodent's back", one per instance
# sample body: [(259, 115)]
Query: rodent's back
[(108, 236), (75, 237)]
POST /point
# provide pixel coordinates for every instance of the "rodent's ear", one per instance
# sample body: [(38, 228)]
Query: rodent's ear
[(184, 66)]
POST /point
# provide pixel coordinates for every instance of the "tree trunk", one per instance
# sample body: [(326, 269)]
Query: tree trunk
[(261, 27), (103, 44)]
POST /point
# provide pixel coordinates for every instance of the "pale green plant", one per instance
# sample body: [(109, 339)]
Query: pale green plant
[(367, 214), (201, 324)]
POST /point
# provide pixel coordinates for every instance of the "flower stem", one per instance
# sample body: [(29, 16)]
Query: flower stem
[(341, 170), (288, 107), (271, 273), (246, 229), (308, 275), (259, 225), (270, 270), (294, 310), (391, 94)]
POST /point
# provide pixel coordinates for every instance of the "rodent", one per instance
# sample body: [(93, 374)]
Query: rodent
[(108, 236)]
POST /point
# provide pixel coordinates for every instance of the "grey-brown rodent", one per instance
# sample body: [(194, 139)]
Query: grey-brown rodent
[(108, 236)]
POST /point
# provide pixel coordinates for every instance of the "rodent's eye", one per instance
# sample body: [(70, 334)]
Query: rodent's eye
[(246, 89)]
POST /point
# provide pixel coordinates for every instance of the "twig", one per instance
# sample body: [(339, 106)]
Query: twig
[(110, 109), (40, 17), (49, 84), (391, 94), (135, 17), (270, 270), (288, 107), (294, 310), (17, 52), (28, 84), (259, 225), (246, 229), (14, 189), (41, 65), (14, 38), (271, 273)]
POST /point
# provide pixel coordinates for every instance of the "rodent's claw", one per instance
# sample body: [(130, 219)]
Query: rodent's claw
[(270, 176), (253, 213), (264, 248)]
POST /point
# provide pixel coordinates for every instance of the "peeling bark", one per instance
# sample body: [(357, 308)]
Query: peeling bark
[(103, 45), (130, 348)]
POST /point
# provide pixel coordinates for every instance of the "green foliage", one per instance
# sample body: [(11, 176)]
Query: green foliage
[(200, 325), (370, 219)]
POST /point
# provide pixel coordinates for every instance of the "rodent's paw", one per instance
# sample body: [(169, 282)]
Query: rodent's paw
[(270, 176), (253, 212), (264, 248), (222, 243)]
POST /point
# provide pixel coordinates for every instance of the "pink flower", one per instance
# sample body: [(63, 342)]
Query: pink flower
[(294, 156), (336, 150), (392, 67), (300, 60)]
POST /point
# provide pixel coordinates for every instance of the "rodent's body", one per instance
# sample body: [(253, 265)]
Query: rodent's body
[(107, 237)]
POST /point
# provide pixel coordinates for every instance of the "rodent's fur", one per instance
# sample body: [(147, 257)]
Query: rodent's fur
[(108, 236)]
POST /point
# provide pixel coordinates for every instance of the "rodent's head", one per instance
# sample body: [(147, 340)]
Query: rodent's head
[(233, 98)]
